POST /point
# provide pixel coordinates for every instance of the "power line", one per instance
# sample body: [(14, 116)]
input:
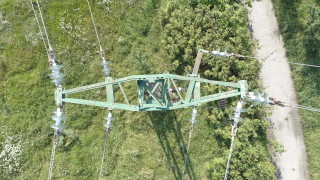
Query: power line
[(104, 150), (273, 101), (42, 37), (94, 24), (54, 147), (188, 147), (233, 134), (44, 26), (105, 63), (193, 120), (303, 107), (310, 65), (265, 59), (56, 132), (225, 54), (206, 59), (108, 125)]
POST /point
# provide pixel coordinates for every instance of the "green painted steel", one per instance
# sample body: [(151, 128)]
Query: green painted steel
[(154, 107), (157, 92), (154, 92), (149, 77), (109, 91), (124, 95), (175, 86), (58, 96)]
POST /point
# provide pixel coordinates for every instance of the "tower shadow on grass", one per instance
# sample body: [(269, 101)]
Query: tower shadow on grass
[(165, 124)]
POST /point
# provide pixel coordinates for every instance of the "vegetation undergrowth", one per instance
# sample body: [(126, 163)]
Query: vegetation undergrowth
[(140, 37), (299, 23)]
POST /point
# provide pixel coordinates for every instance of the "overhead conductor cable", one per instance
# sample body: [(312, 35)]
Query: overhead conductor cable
[(41, 33), (193, 120), (225, 54), (108, 125), (44, 26), (106, 70), (252, 57), (236, 119), (105, 63), (56, 77)]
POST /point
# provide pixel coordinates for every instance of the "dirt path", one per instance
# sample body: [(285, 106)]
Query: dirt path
[(276, 78)]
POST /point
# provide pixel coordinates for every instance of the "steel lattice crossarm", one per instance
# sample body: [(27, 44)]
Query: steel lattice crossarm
[(154, 92)]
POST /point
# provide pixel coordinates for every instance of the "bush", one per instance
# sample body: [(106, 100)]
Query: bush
[(188, 29), (312, 33), (10, 153)]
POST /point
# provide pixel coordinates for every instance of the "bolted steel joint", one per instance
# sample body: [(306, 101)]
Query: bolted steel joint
[(58, 96)]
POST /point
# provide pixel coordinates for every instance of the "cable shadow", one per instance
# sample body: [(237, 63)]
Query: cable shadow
[(164, 124)]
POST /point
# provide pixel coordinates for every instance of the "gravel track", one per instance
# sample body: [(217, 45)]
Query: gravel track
[(276, 79)]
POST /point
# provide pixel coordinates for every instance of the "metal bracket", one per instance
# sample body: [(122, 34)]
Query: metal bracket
[(58, 96)]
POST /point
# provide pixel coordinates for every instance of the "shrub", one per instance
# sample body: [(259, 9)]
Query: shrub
[(10, 152)]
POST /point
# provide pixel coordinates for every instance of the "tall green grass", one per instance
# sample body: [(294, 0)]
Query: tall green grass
[(299, 23)]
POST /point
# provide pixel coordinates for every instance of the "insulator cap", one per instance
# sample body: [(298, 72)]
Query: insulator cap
[(258, 98), (218, 53), (194, 115), (239, 110), (106, 68), (109, 119), (236, 120), (55, 67), (58, 127), (55, 75), (58, 117)]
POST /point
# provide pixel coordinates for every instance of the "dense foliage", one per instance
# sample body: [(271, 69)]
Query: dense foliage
[(210, 27), (299, 24), (140, 37)]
